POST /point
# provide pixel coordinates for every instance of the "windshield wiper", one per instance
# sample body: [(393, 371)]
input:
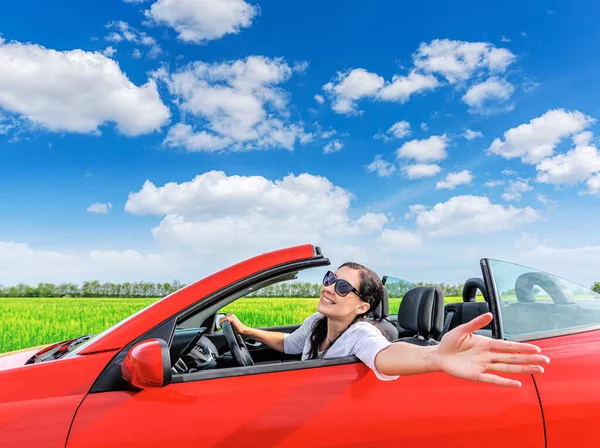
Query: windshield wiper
[(59, 350)]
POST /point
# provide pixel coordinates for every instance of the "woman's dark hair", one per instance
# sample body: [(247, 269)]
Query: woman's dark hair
[(371, 292)]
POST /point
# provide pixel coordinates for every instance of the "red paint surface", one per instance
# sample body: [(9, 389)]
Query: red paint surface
[(328, 406), (38, 401), (143, 365), (570, 389)]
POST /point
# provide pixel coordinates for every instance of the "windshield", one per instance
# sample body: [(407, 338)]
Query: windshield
[(533, 302)]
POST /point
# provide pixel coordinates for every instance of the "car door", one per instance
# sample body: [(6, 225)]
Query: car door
[(563, 319), (318, 403)]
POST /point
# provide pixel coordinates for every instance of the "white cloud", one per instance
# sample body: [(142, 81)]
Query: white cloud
[(351, 86), (583, 139), (300, 66), (136, 54), (463, 177), (420, 170), (239, 104), (424, 127), (493, 183), (471, 135), (333, 146), (398, 130), (454, 60), (76, 91), (530, 85), (199, 21), (382, 167), (537, 139), (122, 31), (402, 87), (109, 52), (431, 149), (573, 167), (99, 208), (593, 185), (319, 99), (458, 60), (504, 39), (508, 172), (22, 263), (546, 201), (489, 97), (183, 135), (327, 134), (470, 214), (515, 190), (134, 1), (215, 213)]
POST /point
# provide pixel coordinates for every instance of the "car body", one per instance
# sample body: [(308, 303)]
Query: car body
[(121, 388)]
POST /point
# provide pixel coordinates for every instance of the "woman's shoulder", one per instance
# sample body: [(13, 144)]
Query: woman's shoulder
[(364, 326), (310, 319)]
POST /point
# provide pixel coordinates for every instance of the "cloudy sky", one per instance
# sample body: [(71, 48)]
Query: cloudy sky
[(163, 139)]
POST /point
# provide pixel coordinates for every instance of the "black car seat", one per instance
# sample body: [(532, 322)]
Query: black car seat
[(422, 312), (462, 312), (378, 317)]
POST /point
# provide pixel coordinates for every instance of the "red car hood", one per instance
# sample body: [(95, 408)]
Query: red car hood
[(17, 358)]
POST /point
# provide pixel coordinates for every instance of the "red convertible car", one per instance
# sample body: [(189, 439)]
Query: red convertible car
[(167, 377)]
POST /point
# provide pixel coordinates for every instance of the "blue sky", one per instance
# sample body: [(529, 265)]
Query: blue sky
[(263, 125)]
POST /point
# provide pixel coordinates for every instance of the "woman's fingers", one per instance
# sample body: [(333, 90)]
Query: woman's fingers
[(519, 358), (498, 380), (513, 368), (477, 324), (513, 347)]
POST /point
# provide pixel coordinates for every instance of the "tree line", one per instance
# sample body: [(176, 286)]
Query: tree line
[(292, 289)]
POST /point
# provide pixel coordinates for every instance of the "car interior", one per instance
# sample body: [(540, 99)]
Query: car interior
[(422, 319)]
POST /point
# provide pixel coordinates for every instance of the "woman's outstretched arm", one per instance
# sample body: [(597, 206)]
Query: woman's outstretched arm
[(464, 355)]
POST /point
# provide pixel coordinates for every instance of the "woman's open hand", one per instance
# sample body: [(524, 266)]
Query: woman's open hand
[(466, 355)]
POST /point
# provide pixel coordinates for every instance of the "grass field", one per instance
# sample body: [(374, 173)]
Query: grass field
[(28, 322)]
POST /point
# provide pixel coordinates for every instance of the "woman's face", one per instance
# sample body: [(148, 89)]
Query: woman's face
[(331, 304)]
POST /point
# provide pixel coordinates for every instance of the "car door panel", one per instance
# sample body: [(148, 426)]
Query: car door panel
[(342, 405), (569, 389)]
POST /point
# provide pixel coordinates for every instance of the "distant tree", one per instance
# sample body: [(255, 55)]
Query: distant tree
[(596, 287)]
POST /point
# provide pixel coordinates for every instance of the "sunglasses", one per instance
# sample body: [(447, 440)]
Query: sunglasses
[(342, 287)]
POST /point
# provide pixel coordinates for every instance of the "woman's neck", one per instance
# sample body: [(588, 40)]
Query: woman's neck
[(335, 327)]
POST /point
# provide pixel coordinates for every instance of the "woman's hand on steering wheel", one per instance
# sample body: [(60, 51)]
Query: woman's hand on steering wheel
[(235, 322)]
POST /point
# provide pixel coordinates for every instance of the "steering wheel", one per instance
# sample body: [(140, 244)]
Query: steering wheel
[(236, 344)]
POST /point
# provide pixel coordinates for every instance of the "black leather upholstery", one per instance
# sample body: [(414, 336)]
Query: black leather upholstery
[(379, 316), (463, 312), (422, 312)]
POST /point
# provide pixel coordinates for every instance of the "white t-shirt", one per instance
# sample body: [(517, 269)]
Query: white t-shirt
[(362, 340)]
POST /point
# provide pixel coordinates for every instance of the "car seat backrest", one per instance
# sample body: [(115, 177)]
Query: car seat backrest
[(378, 317), (422, 311)]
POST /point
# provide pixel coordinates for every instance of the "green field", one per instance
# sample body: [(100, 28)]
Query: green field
[(29, 322)]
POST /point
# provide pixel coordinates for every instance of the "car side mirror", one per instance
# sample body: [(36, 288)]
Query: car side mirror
[(147, 364)]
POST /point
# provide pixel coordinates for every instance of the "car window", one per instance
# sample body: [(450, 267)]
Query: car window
[(533, 302), (281, 304), (396, 288)]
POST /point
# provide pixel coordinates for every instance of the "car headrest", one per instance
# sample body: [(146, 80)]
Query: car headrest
[(383, 309), (422, 311), (470, 289), (524, 288)]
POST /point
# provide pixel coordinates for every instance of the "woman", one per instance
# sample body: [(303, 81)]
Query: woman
[(340, 328)]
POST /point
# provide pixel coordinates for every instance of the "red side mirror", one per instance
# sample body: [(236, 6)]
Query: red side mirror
[(147, 364)]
